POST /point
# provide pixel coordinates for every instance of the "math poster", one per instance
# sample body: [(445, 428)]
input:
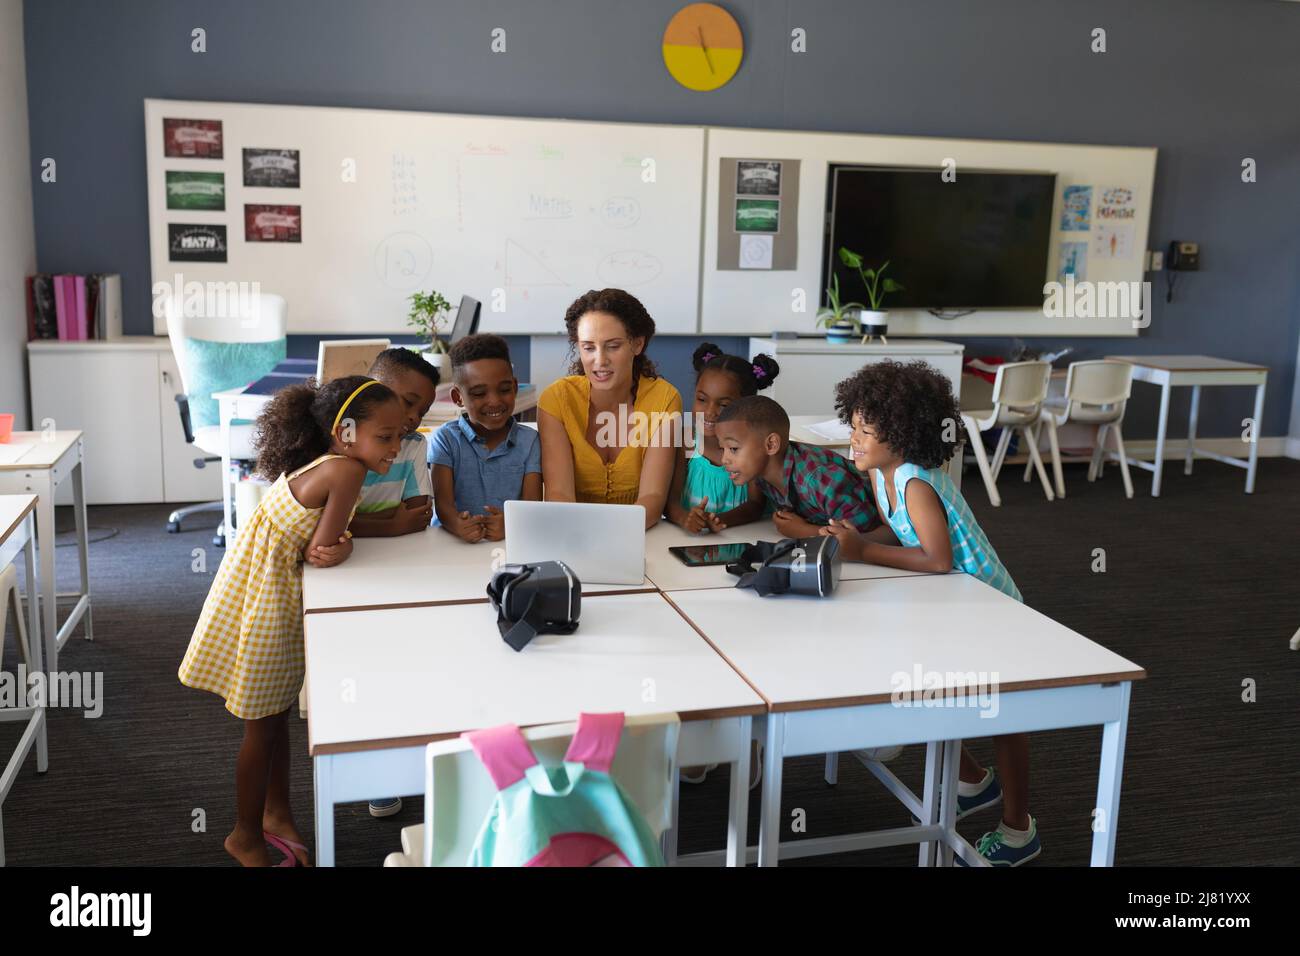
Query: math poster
[(265, 223), (194, 242), (1076, 209), (271, 168), (192, 139)]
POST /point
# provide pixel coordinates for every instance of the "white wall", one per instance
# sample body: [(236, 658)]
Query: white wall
[(17, 233)]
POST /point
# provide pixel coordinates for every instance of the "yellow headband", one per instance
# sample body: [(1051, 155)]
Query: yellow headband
[(344, 407)]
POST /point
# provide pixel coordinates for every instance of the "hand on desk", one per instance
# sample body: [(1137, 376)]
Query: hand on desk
[(790, 525), (700, 521), (849, 537), (328, 555), (416, 516), (468, 527), (494, 524)]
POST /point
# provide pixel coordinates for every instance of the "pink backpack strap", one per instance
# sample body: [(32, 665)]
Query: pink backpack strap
[(596, 740), (504, 753)]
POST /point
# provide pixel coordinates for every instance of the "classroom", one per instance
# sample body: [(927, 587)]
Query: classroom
[(801, 434)]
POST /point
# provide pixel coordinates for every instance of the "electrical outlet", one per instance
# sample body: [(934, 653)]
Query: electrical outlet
[(1157, 260)]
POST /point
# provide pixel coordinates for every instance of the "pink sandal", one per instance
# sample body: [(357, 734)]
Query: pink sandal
[(286, 847)]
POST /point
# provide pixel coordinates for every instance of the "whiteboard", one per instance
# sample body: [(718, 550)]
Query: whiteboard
[(523, 214), (752, 301)]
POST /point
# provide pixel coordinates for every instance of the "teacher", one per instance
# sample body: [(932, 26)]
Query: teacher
[(607, 428)]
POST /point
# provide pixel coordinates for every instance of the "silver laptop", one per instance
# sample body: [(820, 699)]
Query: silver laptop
[(603, 544)]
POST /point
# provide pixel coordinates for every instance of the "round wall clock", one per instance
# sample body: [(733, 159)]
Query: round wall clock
[(703, 46)]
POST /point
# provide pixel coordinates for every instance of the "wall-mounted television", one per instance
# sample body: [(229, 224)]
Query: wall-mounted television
[(979, 241)]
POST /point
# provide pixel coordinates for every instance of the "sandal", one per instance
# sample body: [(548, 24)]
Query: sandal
[(286, 847)]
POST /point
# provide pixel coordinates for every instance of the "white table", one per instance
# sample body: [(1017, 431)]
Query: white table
[(421, 569), (235, 403), (17, 534), (53, 457), (668, 573), (1171, 371), (830, 668), (384, 683)]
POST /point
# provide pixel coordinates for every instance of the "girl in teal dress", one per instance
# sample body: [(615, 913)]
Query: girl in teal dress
[(703, 499)]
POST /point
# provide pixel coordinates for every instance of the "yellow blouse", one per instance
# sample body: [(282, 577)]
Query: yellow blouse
[(618, 483)]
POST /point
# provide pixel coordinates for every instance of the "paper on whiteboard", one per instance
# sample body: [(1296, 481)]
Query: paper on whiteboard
[(755, 252), (832, 430), (1113, 240), (11, 453)]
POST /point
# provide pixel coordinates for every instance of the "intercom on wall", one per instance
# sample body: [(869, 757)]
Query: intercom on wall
[(1184, 256)]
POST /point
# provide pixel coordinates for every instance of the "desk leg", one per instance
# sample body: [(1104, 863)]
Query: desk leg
[(1161, 430), (1191, 430), (930, 798), (948, 798), (769, 830), (1254, 445), (83, 543), (738, 815), (34, 644), (323, 773), (227, 523), (669, 843), (1105, 819), (45, 543)]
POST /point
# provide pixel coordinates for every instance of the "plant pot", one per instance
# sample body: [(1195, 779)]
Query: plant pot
[(841, 333), (874, 324), (442, 360)]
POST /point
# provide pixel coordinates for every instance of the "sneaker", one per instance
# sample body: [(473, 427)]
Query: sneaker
[(999, 853), (385, 808), (878, 754), (990, 796)]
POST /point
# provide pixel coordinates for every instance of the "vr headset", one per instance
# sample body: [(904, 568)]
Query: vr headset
[(791, 565), (532, 599)]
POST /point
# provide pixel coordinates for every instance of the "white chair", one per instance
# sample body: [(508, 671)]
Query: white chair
[(1018, 394), (1096, 393), (458, 791), (259, 321)]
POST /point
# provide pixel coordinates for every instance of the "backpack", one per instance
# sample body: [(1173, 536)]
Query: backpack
[(575, 814)]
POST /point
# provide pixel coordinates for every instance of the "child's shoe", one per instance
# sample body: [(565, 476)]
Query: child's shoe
[(386, 807), (990, 794), (993, 846)]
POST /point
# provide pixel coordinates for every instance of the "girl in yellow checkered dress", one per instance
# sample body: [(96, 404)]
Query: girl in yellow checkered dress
[(318, 444)]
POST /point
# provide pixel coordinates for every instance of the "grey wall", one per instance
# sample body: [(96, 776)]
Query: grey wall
[(1208, 82)]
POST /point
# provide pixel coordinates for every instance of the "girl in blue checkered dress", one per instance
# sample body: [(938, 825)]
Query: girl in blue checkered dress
[(906, 426)]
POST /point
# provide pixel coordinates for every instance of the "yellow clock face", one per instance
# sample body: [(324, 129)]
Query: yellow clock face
[(703, 46)]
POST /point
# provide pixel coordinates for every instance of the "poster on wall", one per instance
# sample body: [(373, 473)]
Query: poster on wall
[(758, 215), (755, 252), (272, 223), (1116, 204), (186, 190), (271, 168), (196, 242), (758, 177), (192, 139), (1112, 240), (1076, 207), (1074, 262)]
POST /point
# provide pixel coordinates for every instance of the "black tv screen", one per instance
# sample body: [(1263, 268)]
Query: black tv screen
[(978, 242)]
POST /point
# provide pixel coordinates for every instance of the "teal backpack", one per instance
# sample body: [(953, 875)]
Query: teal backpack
[(575, 814)]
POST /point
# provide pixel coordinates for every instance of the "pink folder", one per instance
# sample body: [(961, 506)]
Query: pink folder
[(81, 317), (61, 306)]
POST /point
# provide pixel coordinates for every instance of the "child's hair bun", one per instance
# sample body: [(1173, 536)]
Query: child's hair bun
[(704, 354), (765, 370)]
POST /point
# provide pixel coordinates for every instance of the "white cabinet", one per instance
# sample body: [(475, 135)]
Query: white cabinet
[(121, 395)]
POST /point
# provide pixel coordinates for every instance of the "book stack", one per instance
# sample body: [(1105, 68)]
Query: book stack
[(74, 308)]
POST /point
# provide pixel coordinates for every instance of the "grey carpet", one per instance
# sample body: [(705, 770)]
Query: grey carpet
[(1201, 589)]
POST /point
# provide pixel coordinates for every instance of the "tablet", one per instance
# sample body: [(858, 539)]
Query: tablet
[(707, 555)]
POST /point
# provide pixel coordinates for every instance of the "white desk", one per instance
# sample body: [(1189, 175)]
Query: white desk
[(383, 683), (829, 667), (414, 570), (234, 403), (17, 534), (667, 573), (53, 457), (1171, 371)]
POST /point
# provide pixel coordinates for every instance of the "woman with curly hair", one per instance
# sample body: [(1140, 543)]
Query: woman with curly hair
[(610, 427), (317, 444), (905, 425)]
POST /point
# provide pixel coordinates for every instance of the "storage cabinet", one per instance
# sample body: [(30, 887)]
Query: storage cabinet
[(121, 394)]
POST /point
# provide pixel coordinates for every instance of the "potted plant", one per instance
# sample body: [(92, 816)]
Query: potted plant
[(839, 318), (875, 319), (429, 311)]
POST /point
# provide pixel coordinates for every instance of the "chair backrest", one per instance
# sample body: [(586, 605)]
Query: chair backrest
[(1019, 390), (1097, 391), (458, 791), (259, 317), (340, 357)]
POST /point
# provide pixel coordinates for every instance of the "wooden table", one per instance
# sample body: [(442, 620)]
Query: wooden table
[(384, 683), (52, 458), (18, 534), (1171, 371), (833, 672)]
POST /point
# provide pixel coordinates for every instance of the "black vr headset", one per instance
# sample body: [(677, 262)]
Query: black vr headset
[(532, 599), (795, 565)]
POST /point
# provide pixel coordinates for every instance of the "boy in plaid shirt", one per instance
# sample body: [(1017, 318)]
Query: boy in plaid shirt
[(809, 486)]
